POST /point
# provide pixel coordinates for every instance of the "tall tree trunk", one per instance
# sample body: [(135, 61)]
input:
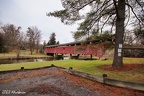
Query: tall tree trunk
[(31, 50), (37, 47), (18, 52), (118, 57)]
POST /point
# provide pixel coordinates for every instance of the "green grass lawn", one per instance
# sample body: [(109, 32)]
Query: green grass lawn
[(25, 53), (88, 66)]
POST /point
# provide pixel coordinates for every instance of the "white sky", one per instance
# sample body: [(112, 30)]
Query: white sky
[(27, 13)]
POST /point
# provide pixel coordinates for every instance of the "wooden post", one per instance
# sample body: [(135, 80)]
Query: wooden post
[(22, 68), (70, 56), (91, 56), (55, 56), (62, 56), (78, 56)]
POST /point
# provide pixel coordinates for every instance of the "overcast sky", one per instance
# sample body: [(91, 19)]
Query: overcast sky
[(26, 13)]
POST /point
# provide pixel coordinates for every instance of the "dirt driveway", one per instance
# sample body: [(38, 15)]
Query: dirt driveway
[(55, 82)]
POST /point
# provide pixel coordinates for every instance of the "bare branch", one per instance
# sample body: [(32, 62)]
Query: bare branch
[(134, 13), (116, 8), (106, 21), (139, 4), (102, 9), (84, 5), (128, 17)]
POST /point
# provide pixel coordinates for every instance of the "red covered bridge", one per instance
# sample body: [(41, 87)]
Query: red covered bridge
[(95, 48)]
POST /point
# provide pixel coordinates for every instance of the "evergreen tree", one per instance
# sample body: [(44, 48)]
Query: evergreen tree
[(58, 42), (52, 39)]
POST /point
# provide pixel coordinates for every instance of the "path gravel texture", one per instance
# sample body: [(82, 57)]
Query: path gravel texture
[(56, 82)]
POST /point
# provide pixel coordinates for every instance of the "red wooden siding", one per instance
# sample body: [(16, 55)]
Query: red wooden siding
[(89, 49)]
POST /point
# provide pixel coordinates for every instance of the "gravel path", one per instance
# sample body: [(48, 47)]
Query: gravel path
[(55, 82)]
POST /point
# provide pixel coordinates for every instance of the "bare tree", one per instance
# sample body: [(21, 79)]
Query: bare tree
[(34, 36), (20, 42), (14, 38), (11, 34), (128, 37), (37, 39)]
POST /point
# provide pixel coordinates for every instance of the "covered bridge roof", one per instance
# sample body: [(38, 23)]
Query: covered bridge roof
[(73, 43)]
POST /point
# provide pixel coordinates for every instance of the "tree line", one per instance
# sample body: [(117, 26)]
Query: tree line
[(12, 38)]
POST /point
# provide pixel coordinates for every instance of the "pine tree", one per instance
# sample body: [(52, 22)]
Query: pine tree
[(52, 39)]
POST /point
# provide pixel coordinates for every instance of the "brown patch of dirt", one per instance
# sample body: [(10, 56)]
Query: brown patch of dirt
[(47, 89), (126, 67)]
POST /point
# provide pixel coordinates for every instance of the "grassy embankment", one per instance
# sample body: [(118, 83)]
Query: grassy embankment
[(89, 66)]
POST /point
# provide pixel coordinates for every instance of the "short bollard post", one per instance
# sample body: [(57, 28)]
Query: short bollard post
[(22, 68), (52, 65), (70, 68), (104, 78)]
